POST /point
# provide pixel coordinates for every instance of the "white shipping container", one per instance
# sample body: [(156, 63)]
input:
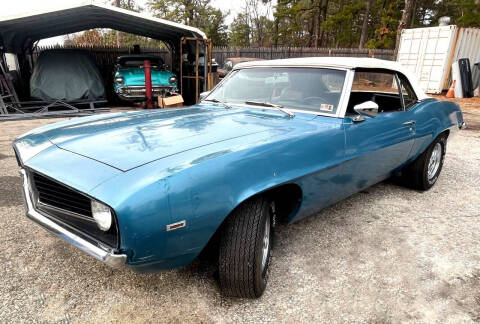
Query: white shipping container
[(429, 53), (426, 53)]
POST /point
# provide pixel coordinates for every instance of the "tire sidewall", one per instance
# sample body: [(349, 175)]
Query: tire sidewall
[(261, 277), (430, 182)]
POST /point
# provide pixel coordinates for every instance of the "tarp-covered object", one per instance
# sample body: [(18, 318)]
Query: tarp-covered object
[(67, 75)]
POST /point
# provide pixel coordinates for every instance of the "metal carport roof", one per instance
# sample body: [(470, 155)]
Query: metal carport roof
[(19, 32)]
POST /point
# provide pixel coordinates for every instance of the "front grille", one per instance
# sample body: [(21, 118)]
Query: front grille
[(140, 91), (57, 195)]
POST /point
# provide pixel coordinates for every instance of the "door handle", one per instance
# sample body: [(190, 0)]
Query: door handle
[(409, 123)]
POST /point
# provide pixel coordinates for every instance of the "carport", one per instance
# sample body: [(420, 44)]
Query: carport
[(19, 35)]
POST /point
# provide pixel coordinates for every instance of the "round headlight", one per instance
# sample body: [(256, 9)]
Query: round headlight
[(172, 80), (119, 80), (102, 215)]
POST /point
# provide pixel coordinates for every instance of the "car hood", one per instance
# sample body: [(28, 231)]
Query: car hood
[(136, 76), (128, 140)]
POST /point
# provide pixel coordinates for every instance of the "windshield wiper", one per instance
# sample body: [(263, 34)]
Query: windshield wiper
[(268, 104), (226, 105)]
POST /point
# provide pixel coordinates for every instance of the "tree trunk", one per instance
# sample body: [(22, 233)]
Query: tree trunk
[(311, 26), (413, 17), (407, 13), (277, 22), (363, 36), (119, 34), (324, 17), (318, 23)]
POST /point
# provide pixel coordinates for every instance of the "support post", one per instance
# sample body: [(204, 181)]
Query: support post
[(148, 83), (196, 69)]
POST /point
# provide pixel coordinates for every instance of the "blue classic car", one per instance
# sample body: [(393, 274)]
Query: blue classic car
[(129, 77), (274, 141)]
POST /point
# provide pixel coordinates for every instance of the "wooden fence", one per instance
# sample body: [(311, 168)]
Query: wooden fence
[(270, 53), (106, 55)]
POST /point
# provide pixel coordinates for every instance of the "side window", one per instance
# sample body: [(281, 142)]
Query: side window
[(381, 82), (379, 86), (409, 96)]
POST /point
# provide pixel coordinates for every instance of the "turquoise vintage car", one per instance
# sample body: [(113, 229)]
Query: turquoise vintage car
[(274, 141), (129, 77)]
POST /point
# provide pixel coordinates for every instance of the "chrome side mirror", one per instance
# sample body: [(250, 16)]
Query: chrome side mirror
[(367, 108), (203, 95)]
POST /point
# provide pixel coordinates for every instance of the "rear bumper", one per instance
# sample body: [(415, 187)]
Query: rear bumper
[(463, 125), (108, 257)]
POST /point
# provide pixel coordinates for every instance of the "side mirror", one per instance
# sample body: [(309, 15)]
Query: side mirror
[(165, 67), (367, 108), (203, 95)]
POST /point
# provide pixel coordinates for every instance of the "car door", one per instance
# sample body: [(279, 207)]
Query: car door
[(377, 146)]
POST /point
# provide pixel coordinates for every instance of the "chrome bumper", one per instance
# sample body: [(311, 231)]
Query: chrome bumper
[(135, 92), (113, 260), (463, 125)]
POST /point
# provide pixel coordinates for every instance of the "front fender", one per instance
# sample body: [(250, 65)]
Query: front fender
[(140, 201)]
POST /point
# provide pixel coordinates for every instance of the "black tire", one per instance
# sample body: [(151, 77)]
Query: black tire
[(241, 246), (416, 175)]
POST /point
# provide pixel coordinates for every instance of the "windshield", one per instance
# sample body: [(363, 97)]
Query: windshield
[(310, 89)]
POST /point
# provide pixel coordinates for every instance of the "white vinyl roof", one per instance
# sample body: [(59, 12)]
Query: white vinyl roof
[(340, 62), (21, 31)]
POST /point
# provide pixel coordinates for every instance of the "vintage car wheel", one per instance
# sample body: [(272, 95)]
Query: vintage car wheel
[(245, 248), (424, 171)]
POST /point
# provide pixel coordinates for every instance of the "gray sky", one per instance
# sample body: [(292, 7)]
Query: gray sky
[(22, 6)]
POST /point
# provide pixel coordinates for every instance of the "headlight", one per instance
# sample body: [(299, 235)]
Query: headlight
[(172, 80), (119, 80), (102, 215)]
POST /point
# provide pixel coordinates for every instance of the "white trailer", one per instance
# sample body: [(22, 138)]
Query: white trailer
[(429, 53)]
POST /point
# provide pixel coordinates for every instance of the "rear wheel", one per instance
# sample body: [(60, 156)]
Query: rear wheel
[(245, 249), (424, 171)]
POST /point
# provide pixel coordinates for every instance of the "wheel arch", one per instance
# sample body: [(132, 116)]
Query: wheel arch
[(287, 197)]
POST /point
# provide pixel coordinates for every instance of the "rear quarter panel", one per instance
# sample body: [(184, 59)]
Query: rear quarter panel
[(432, 118)]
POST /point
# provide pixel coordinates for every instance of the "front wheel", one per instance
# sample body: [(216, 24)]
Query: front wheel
[(424, 171), (245, 247)]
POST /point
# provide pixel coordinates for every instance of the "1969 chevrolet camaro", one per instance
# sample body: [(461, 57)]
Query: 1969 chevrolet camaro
[(274, 141)]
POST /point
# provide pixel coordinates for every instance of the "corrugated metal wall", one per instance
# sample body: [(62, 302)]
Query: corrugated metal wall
[(468, 45)]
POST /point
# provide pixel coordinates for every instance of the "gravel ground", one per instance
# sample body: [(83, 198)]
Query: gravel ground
[(387, 254)]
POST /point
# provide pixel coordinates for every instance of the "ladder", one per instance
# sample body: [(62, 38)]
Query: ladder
[(8, 96)]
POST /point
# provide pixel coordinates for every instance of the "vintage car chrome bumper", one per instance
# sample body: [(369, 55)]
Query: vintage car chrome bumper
[(135, 92), (463, 125), (113, 260)]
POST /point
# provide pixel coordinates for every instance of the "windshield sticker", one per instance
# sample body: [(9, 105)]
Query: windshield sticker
[(326, 107)]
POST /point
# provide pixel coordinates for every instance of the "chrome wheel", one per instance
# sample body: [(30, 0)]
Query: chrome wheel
[(266, 243), (435, 160)]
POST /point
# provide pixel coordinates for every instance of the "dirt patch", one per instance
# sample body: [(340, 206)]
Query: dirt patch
[(10, 191), (3, 156)]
